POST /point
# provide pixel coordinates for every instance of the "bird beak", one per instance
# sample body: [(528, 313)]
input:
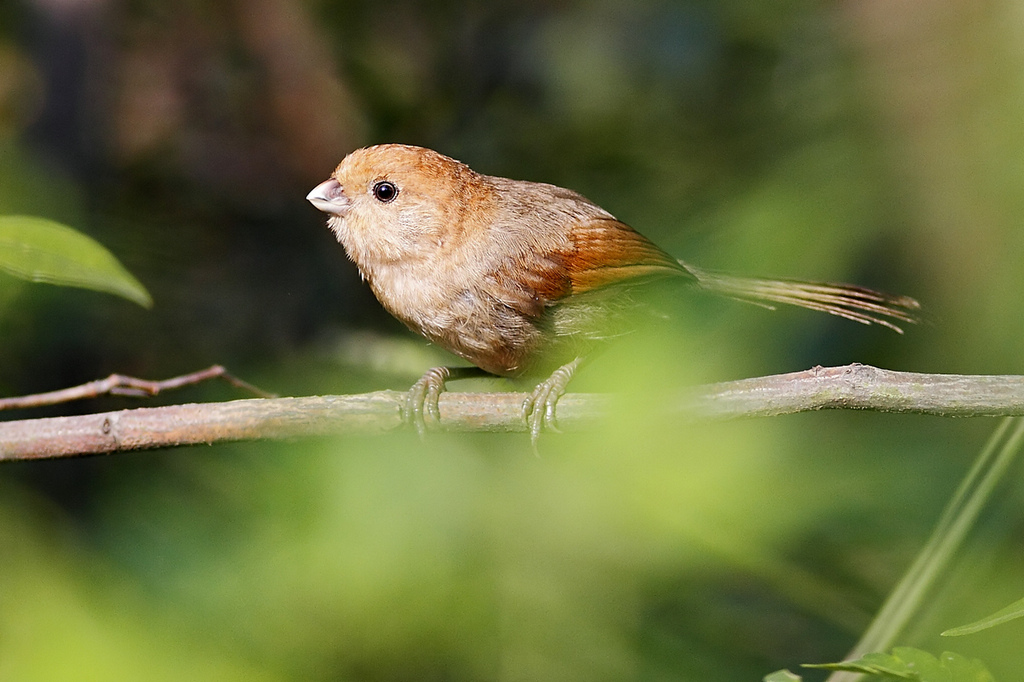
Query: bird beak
[(329, 197)]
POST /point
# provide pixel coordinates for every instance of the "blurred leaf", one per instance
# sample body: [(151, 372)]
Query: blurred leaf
[(907, 663), (1014, 610), (42, 250), (782, 676)]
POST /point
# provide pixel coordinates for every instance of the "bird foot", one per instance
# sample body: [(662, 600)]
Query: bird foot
[(421, 400), (539, 408), (421, 410)]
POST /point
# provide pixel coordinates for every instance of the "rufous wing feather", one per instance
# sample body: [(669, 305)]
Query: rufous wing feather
[(606, 252)]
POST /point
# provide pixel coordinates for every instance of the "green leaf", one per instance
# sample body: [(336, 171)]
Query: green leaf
[(42, 250), (906, 663), (885, 665), (782, 676), (1014, 610)]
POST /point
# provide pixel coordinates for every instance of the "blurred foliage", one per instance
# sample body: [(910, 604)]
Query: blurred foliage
[(40, 250), (905, 663), (869, 141), (1003, 615)]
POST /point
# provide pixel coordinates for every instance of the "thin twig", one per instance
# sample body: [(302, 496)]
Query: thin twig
[(856, 387), (119, 384)]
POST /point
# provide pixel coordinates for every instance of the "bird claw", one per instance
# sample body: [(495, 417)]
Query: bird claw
[(421, 410), (539, 408)]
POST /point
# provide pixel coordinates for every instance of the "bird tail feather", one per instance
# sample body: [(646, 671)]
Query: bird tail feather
[(844, 300)]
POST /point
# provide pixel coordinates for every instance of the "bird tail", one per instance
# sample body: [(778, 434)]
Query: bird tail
[(844, 300)]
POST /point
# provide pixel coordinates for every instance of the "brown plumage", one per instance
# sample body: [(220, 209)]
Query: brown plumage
[(516, 276)]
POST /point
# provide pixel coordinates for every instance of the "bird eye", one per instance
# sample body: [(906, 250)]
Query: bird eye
[(385, 191)]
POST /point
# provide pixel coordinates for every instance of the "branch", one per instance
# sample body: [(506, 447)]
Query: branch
[(860, 387), (852, 387), (119, 384)]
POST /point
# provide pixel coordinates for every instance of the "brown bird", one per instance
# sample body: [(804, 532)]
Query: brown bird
[(519, 277)]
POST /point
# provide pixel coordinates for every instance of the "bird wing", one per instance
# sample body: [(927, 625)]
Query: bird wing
[(601, 252), (606, 252)]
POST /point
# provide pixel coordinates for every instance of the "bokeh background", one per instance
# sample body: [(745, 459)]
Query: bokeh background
[(875, 141)]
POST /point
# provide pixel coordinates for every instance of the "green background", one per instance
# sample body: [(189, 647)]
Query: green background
[(871, 141)]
